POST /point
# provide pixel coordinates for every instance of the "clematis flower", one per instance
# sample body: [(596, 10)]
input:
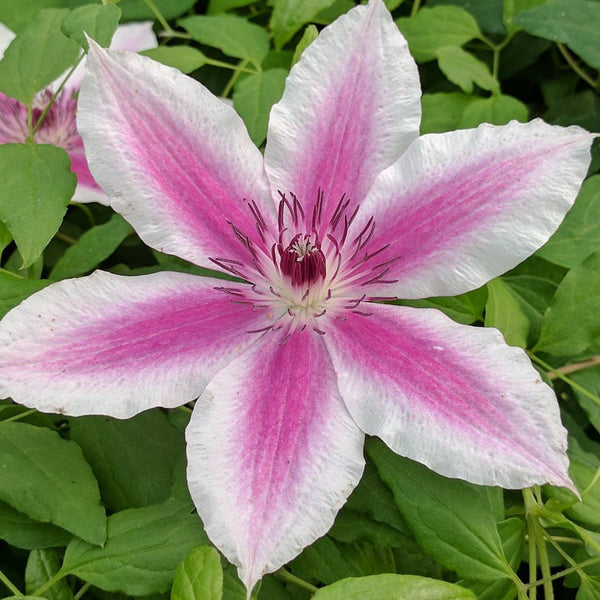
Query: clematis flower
[(292, 366), (59, 126)]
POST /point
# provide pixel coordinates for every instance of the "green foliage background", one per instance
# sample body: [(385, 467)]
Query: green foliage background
[(98, 507)]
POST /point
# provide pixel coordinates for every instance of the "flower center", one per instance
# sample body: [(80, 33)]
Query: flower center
[(303, 261)]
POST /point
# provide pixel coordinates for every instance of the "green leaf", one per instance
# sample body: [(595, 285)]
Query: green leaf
[(37, 56), (199, 576), (487, 12), (253, 98), (289, 16), (454, 521), (48, 479), (17, 15), (393, 587), (434, 28), (442, 111), (497, 110), (311, 33), (36, 184), (573, 22), (503, 311), (94, 246), (14, 289), (579, 234), (513, 7), (184, 58), (142, 550), (232, 35), (21, 531), (220, 6), (133, 459), (99, 21), (572, 322), (5, 237), (43, 565), (138, 10), (463, 69), (589, 379)]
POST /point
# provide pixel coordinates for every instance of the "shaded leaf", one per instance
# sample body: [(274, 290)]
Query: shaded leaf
[(503, 311), (43, 565), (14, 289), (199, 576), (36, 184), (48, 479)]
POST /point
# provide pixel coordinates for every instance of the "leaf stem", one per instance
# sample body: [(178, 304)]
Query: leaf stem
[(84, 588), (66, 238), (22, 415), (544, 561), (227, 89), (54, 579), (10, 585), (415, 8), (575, 367), (565, 572), (573, 64), (559, 375), (55, 96), (529, 501), (159, 17), (285, 575), (226, 65)]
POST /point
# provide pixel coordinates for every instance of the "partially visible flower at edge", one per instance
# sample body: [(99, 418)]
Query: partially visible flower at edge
[(349, 207), (59, 126)]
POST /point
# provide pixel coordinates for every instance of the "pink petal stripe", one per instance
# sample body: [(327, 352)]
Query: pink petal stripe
[(453, 397), (114, 345), (272, 453), (87, 188), (350, 108), (460, 208), (175, 160)]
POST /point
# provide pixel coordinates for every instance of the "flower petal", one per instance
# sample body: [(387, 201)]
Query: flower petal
[(6, 37), (461, 208), (272, 453), (174, 160), (113, 345), (453, 397), (87, 188), (350, 108), (133, 37)]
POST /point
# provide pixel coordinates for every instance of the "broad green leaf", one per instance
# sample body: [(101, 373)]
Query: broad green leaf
[(142, 550), (133, 459), (393, 4), (43, 565), (487, 12), (253, 98), (36, 184), (21, 531), (99, 21), (184, 58), (573, 22), (513, 7), (14, 289), (393, 587), (17, 15), (138, 10), (37, 56), (463, 69), (94, 246), (579, 234), (5, 237), (442, 111), (572, 321), (289, 16), (503, 311), (434, 28), (199, 576), (47, 478), (220, 6), (466, 308), (589, 379), (453, 520), (582, 108), (328, 560), (308, 37), (337, 9), (497, 110), (234, 36)]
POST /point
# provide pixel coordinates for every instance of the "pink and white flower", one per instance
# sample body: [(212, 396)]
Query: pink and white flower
[(59, 126), (292, 367)]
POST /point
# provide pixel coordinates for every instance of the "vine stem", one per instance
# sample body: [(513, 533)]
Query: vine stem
[(82, 591), (159, 17), (285, 575), (559, 375), (529, 501), (227, 89), (573, 64), (415, 8), (10, 585), (586, 563), (575, 367), (19, 416)]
